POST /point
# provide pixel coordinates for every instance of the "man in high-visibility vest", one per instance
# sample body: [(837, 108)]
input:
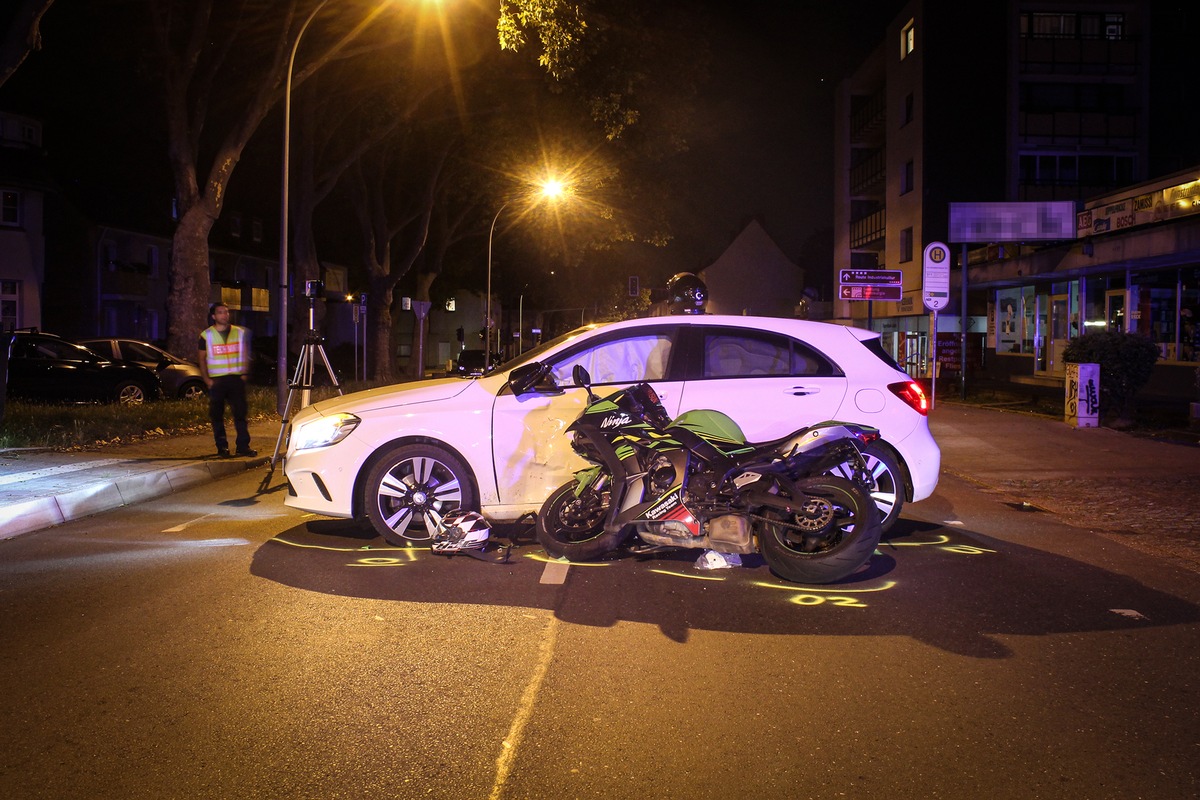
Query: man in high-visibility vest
[(224, 357)]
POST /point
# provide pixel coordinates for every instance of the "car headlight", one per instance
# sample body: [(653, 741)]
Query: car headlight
[(324, 431)]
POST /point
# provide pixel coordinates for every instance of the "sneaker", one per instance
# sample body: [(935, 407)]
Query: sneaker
[(223, 452), (247, 452)]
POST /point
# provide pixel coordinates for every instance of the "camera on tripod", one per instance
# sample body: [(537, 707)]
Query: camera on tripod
[(314, 289)]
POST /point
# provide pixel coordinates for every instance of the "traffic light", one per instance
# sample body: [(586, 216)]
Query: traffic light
[(634, 288)]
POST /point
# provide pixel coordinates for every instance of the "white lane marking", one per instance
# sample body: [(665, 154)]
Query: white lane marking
[(46, 472), (555, 572), (182, 527), (508, 748)]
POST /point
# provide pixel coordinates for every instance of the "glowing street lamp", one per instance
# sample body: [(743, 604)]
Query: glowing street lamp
[(552, 189)]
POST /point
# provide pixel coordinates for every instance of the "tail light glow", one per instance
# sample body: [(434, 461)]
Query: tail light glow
[(913, 395)]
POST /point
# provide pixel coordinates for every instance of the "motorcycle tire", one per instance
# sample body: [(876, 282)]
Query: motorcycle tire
[(843, 532), (572, 527)]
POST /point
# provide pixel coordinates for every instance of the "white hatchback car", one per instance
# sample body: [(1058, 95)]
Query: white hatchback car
[(402, 456)]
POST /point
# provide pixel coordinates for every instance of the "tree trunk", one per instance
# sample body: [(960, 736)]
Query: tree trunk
[(190, 287), (420, 334), (379, 320)]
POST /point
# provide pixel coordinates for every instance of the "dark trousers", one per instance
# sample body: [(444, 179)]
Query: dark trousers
[(231, 389)]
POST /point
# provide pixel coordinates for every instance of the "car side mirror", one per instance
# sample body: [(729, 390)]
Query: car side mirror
[(162, 364), (527, 378)]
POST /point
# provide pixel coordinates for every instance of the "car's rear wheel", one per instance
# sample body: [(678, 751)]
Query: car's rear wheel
[(411, 487), (129, 393), (192, 390), (887, 482)]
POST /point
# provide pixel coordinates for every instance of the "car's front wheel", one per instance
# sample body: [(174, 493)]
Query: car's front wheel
[(129, 393), (411, 487)]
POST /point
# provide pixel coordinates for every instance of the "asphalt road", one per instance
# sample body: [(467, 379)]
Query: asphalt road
[(216, 644)]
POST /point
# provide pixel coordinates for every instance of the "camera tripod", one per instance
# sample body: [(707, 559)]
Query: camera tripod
[(302, 380)]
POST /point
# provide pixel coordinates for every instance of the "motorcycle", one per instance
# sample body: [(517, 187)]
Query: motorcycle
[(695, 482)]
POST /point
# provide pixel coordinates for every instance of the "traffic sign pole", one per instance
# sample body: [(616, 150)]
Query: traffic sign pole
[(935, 294), (933, 366)]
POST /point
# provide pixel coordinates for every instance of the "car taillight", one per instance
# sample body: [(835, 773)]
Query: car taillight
[(912, 394)]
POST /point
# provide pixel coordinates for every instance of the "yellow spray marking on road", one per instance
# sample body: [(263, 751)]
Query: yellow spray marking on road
[(685, 575)]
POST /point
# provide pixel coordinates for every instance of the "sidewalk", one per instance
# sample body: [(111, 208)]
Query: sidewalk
[(1093, 472), (41, 488)]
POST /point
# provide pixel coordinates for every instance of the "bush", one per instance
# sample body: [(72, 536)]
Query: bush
[(1126, 361)]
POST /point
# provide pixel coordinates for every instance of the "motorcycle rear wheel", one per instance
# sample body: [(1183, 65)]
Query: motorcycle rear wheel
[(840, 532), (572, 527)]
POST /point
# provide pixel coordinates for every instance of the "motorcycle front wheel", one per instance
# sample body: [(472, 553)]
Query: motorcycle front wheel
[(572, 527), (833, 531)]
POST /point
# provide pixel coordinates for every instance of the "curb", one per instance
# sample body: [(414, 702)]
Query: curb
[(105, 495)]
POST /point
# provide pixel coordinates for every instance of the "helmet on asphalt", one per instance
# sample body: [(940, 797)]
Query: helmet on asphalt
[(686, 294), (461, 530)]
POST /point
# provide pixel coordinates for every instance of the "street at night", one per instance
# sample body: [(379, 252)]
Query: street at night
[(528, 399), (213, 643)]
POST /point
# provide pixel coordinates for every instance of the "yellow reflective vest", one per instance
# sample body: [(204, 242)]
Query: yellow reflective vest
[(229, 352)]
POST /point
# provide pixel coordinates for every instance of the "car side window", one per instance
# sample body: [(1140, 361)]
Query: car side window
[(751, 354), (133, 351), (625, 360)]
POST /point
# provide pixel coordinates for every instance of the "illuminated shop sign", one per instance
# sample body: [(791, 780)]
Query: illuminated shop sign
[(1176, 201)]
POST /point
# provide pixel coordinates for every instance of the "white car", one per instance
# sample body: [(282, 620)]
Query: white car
[(403, 456)]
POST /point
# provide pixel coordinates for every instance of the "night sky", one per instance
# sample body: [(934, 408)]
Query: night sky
[(762, 148)]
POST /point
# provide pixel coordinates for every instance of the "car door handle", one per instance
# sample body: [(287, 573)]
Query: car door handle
[(802, 391)]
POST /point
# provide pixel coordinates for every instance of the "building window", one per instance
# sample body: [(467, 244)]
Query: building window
[(1087, 25), (256, 230), (906, 178), (908, 41), (152, 259), (235, 225), (906, 247), (906, 114), (10, 207), (10, 317)]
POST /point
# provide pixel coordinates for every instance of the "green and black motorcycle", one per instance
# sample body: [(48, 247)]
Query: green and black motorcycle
[(695, 482)]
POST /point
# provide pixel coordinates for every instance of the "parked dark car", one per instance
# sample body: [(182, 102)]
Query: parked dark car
[(470, 362), (42, 366), (180, 378)]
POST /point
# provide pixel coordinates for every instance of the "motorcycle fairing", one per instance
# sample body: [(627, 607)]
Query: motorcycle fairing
[(671, 507)]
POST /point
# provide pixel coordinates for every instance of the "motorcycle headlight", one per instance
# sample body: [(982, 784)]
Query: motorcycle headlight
[(324, 431)]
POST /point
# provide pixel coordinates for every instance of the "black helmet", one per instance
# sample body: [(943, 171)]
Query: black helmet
[(686, 294)]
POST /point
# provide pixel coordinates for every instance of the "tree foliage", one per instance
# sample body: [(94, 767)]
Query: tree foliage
[(21, 24)]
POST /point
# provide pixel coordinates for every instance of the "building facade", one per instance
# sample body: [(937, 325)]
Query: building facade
[(23, 184), (1016, 102)]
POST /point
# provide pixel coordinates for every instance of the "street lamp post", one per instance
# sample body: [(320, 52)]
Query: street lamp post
[(487, 313), (282, 377), (551, 189)]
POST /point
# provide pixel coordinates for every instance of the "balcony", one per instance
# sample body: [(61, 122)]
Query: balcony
[(868, 118), (869, 176), (868, 230)]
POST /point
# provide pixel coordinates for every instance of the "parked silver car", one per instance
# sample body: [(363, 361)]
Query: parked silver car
[(180, 378)]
